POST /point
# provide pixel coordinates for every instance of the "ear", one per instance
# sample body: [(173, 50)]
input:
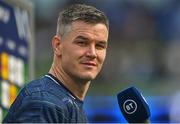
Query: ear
[(56, 43)]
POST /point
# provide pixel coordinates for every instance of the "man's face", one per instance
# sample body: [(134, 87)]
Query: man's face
[(83, 50)]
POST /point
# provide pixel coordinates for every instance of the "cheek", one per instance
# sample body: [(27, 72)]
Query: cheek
[(67, 49), (66, 55), (70, 55), (102, 56)]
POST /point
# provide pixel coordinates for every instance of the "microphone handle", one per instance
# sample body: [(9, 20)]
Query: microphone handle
[(147, 121)]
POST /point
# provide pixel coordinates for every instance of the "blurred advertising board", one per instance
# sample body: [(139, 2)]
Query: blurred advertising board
[(16, 47)]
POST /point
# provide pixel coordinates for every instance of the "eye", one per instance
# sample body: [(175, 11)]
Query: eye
[(101, 46), (81, 43)]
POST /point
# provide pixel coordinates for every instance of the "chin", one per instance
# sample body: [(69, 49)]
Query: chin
[(88, 77)]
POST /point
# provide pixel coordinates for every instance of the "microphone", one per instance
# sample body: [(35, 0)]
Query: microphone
[(133, 106)]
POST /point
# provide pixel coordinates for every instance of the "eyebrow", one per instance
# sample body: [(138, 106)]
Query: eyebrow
[(82, 37), (85, 38)]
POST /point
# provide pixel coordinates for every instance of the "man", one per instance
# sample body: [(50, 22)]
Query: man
[(79, 51)]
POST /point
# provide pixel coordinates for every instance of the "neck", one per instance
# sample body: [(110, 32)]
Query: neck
[(79, 88)]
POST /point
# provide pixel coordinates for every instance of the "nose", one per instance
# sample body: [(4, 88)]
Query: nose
[(91, 52)]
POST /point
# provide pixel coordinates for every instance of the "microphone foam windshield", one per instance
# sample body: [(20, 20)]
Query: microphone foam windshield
[(133, 105)]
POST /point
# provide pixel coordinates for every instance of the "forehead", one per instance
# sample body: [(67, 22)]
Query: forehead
[(93, 30)]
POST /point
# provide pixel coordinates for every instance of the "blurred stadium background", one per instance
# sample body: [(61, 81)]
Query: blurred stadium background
[(144, 51)]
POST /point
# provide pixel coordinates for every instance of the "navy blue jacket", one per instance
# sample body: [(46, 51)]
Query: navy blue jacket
[(46, 100)]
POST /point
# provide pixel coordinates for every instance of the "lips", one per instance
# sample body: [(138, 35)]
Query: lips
[(89, 63)]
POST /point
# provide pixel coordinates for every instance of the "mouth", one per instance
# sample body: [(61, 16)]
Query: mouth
[(93, 64)]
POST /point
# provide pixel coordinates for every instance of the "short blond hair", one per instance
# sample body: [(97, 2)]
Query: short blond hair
[(80, 12)]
